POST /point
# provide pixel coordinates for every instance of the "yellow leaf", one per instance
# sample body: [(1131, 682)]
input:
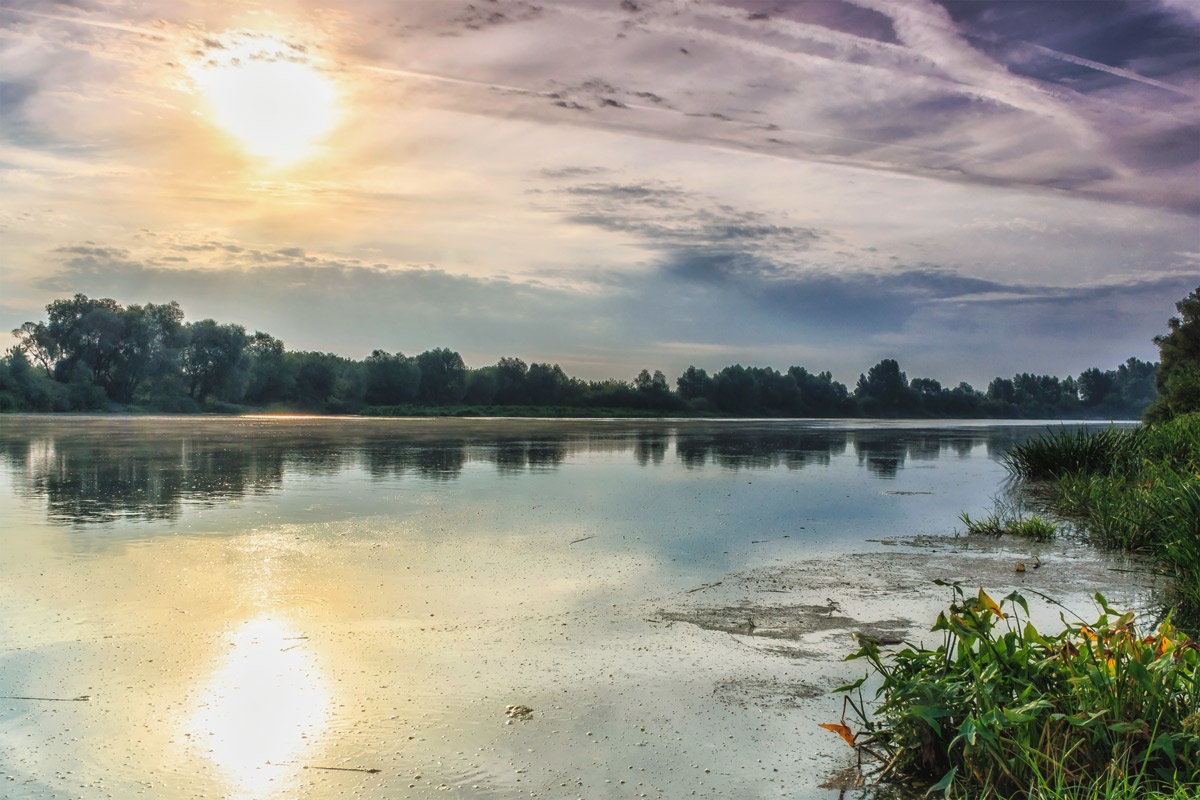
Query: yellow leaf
[(989, 603), (840, 730)]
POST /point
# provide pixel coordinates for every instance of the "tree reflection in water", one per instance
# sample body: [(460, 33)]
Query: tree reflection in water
[(96, 470)]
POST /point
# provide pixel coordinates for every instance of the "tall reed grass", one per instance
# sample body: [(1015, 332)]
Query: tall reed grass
[(1138, 490)]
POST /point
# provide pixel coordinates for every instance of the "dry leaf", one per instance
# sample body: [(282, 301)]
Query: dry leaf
[(840, 730)]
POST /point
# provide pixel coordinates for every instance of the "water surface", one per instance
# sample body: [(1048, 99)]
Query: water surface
[(259, 607)]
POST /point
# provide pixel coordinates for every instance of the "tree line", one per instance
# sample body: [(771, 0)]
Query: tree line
[(95, 354)]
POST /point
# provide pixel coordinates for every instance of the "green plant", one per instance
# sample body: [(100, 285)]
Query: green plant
[(1066, 452), (998, 706), (1138, 490), (999, 522)]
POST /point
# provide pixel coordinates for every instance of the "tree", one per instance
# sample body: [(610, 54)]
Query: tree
[(1094, 386), (391, 379), (269, 375), (884, 390), (820, 394), (511, 388), (645, 382), (316, 379), (1135, 384), (928, 394), (481, 386), (37, 345), (99, 344), (694, 384), (1178, 378), (213, 360), (149, 348), (547, 384), (736, 390), (1001, 390), (443, 377), (24, 387)]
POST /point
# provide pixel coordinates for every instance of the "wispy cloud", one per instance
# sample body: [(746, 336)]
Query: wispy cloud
[(597, 183)]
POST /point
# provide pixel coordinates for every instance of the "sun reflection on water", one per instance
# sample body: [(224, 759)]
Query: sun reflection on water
[(266, 703)]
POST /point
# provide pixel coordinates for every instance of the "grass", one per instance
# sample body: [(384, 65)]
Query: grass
[(1069, 452), (1000, 710), (1137, 490), (1109, 786), (1001, 522)]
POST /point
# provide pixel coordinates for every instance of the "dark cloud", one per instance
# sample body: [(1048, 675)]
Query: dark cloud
[(638, 192), (1140, 36), (572, 172), (14, 125), (666, 217), (848, 304), (13, 94), (835, 15), (1168, 148), (92, 251)]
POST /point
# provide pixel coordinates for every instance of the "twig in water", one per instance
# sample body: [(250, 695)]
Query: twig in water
[(584, 539), (371, 770), (83, 698), (705, 586)]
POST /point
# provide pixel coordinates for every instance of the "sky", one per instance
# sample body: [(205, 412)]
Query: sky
[(973, 188)]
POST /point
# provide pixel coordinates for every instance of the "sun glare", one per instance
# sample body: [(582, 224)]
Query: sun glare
[(268, 95), (264, 705)]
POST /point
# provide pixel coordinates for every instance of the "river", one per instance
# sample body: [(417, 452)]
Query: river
[(325, 607)]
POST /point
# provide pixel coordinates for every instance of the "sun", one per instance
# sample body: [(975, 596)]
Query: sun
[(268, 94)]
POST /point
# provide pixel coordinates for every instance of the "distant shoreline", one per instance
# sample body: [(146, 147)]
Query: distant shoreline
[(538, 412)]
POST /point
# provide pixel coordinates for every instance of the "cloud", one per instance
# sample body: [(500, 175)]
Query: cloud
[(824, 182), (966, 92), (744, 309)]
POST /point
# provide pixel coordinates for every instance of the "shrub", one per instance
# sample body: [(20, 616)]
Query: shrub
[(998, 706)]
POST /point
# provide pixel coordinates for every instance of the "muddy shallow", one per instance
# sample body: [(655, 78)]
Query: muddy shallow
[(326, 608)]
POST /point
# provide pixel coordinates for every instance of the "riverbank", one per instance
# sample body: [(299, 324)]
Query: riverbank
[(1136, 490), (1104, 710)]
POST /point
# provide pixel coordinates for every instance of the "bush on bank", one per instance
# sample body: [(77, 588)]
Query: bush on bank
[(1001, 710)]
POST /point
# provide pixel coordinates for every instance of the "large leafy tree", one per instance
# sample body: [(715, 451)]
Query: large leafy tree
[(269, 375), (443, 377), (101, 343), (213, 360), (884, 390), (391, 379), (1178, 378)]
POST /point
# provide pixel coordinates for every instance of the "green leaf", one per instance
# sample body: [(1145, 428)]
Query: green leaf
[(967, 730), (850, 687), (1166, 743), (1015, 597), (945, 783)]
